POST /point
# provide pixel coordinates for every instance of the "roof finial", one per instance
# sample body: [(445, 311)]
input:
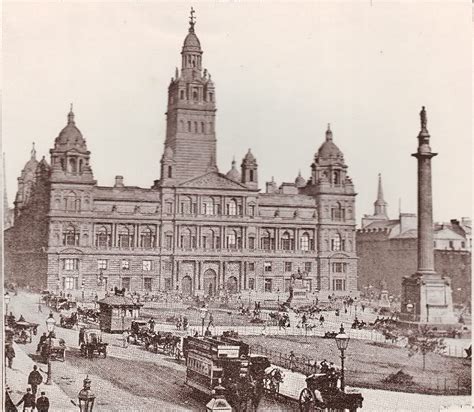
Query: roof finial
[(192, 21), (423, 118), (233, 161), (380, 189), (33, 151), (329, 132), (70, 116)]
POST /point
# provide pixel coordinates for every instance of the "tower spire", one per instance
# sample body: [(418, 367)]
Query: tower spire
[(380, 205), (70, 116)]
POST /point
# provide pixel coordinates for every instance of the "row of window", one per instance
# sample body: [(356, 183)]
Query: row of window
[(70, 283), (267, 267), (102, 264), (196, 127)]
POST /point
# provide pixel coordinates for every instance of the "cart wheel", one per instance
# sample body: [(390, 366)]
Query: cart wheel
[(307, 400)]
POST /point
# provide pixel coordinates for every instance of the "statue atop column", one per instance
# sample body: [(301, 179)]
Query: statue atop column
[(423, 118)]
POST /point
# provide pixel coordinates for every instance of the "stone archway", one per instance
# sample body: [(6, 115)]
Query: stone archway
[(209, 282), (232, 285), (187, 286)]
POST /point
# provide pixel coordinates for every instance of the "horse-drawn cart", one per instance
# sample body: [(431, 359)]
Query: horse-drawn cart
[(93, 344), (322, 394), (54, 348)]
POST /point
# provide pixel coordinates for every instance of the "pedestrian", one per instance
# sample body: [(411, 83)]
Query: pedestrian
[(292, 361), (9, 354), (28, 401), (42, 403), (41, 341), (321, 320), (151, 324), (35, 379), (211, 320), (185, 323), (81, 336), (9, 404), (125, 338)]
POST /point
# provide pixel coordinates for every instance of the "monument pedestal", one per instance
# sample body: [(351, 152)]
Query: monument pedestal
[(427, 299), (384, 302), (299, 293)]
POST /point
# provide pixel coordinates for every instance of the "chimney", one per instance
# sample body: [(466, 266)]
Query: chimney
[(118, 181)]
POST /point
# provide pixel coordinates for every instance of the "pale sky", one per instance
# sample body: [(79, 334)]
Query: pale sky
[(282, 72)]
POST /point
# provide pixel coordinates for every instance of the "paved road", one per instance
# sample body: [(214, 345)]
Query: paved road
[(129, 379)]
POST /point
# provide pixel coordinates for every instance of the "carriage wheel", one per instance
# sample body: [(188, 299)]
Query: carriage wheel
[(307, 400)]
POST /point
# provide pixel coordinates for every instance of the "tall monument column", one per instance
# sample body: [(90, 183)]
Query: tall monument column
[(426, 296), (425, 200)]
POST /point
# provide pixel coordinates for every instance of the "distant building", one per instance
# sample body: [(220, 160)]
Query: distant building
[(387, 250), (195, 231)]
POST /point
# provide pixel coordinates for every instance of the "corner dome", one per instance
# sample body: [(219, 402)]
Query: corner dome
[(328, 150), (70, 137), (299, 181)]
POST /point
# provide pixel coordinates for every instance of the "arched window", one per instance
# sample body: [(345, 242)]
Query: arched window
[(103, 238), (147, 239), (232, 208), (251, 175), (195, 95), (336, 177), (189, 126), (305, 242), (185, 239), (232, 240), (80, 165), (170, 172), (70, 236), (73, 165), (125, 238), (203, 127), (71, 201), (338, 213), (181, 126), (336, 243), (286, 241), (208, 206), (268, 242)]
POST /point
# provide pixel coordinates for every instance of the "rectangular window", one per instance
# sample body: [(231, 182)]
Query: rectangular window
[(147, 284), (288, 266), (339, 267), (218, 242), (126, 284), (125, 264), (251, 243), (251, 210), (102, 264), (308, 266), (451, 244), (167, 284), (267, 266), (169, 207), (204, 242), (194, 208), (168, 266), (267, 243), (169, 241), (268, 285), (463, 244), (251, 267), (146, 265), (251, 284), (70, 264), (339, 284), (69, 283)]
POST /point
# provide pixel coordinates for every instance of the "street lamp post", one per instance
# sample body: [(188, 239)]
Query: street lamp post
[(50, 324), (342, 341), (86, 397)]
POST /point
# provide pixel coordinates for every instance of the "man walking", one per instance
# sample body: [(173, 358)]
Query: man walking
[(211, 320), (28, 401), (42, 340), (42, 403), (35, 379)]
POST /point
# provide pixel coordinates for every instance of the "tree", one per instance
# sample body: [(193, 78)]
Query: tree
[(423, 340)]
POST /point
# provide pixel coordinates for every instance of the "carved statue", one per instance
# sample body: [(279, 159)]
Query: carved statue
[(423, 118)]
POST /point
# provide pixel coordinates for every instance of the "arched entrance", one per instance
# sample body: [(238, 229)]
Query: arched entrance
[(232, 285), (209, 282), (187, 286)]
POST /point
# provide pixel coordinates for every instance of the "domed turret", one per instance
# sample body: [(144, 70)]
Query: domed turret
[(30, 166), (299, 181), (70, 137), (233, 173), (328, 149), (249, 171)]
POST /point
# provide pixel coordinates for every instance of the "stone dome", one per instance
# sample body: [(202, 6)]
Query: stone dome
[(328, 149), (70, 137), (299, 181), (30, 167), (191, 42), (233, 173)]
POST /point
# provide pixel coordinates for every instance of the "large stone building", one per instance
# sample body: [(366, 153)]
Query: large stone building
[(387, 250), (196, 230)]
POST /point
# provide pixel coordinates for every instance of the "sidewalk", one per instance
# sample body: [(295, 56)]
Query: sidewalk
[(17, 380)]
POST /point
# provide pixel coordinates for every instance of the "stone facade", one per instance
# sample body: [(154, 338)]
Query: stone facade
[(196, 230)]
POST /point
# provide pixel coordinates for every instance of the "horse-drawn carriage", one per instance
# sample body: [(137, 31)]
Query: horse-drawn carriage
[(23, 331), (322, 394), (225, 361), (59, 303), (93, 344), (68, 322), (54, 348)]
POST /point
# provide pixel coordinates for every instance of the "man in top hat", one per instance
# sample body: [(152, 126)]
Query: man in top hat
[(35, 379), (42, 403)]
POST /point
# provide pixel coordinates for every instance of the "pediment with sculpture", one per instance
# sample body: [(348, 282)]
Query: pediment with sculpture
[(213, 180)]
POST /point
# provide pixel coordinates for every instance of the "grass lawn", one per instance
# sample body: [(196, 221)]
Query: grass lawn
[(367, 364)]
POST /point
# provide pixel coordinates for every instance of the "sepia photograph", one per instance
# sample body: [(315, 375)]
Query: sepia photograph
[(236, 206)]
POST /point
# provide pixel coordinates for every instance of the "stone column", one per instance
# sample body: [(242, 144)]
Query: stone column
[(425, 201)]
